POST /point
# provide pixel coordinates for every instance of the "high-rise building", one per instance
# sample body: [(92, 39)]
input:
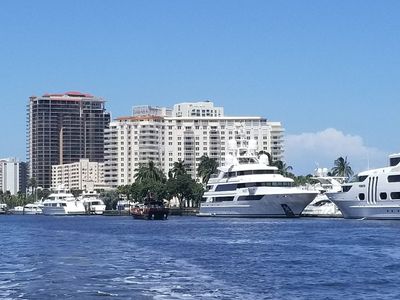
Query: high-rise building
[(13, 176), (190, 131), (62, 129), (129, 142)]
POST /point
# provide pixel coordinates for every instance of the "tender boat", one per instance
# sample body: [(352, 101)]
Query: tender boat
[(321, 206), (247, 186), (92, 202), (62, 203), (372, 194)]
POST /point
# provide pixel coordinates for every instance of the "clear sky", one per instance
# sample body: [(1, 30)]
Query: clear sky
[(328, 70)]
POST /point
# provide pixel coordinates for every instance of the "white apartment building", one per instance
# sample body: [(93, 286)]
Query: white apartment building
[(189, 132), (129, 142), (83, 175), (12, 176)]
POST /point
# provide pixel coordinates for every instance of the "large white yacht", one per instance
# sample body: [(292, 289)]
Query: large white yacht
[(321, 206), (247, 186), (92, 202), (62, 203), (373, 194)]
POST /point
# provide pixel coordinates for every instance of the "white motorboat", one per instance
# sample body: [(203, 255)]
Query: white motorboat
[(321, 206), (32, 209), (372, 194), (28, 209), (62, 203), (247, 186), (92, 202), (17, 210)]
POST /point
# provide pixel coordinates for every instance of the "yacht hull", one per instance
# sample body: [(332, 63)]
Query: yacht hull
[(352, 209), (60, 211), (270, 206)]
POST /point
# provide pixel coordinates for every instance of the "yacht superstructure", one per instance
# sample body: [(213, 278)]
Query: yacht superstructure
[(62, 203), (372, 194), (247, 186)]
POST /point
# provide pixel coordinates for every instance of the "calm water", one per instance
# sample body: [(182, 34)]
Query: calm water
[(198, 258)]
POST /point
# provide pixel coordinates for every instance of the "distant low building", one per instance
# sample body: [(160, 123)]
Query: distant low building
[(13, 176), (82, 175)]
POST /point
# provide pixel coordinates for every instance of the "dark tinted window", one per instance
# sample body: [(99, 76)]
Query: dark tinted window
[(220, 199), (362, 178), (346, 188), (395, 195), (361, 196), (394, 178), (394, 161), (251, 197), (226, 187), (383, 196)]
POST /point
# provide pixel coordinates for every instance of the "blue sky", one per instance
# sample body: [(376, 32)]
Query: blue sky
[(328, 70)]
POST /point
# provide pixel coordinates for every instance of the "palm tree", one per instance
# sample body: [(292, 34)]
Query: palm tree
[(149, 172), (207, 166), (342, 168), (178, 169), (33, 184), (282, 167)]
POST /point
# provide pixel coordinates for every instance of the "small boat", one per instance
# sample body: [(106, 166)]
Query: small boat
[(17, 210), (3, 208), (151, 210), (28, 209)]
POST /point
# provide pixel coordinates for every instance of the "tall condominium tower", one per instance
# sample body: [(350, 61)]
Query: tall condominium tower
[(62, 129), (185, 133)]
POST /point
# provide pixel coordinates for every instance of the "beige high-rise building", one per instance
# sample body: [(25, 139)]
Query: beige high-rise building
[(83, 175), (186, 133)]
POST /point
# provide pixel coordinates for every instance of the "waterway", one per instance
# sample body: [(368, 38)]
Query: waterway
[(92, 257)]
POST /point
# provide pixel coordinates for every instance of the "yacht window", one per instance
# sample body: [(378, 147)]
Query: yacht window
[(63, 204), (54, 204), (220, 199), (383, 196), (203, 199), (346, 188), (230, 174), (362, 178), (209, 187), (395, 195), (251, 197), (361, 196), (394, 178), (226, 187)]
